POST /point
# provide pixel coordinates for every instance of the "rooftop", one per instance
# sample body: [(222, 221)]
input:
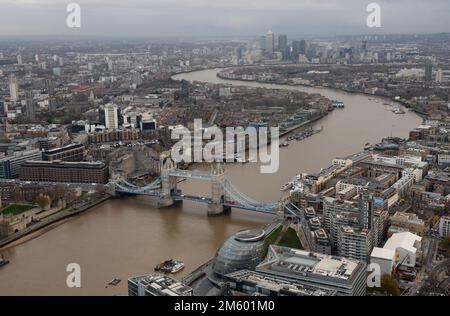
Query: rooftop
[(307, 264), (162, 284), (404, 240), (250, 235), (277, 284), (383, 253)]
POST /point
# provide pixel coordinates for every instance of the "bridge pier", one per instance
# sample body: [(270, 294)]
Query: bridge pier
[(215, 209), (168, 183)]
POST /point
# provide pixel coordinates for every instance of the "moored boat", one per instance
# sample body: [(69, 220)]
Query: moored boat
[(179, 265), (287, 186), (3, 261)]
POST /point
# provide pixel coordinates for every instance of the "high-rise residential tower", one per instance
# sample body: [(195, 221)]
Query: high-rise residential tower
[(428, 70), (13, 88), (31, 113)]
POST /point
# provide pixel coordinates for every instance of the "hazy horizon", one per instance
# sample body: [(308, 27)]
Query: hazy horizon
[(209, 18)]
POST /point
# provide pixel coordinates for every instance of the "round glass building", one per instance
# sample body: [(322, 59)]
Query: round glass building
[(244, 250)]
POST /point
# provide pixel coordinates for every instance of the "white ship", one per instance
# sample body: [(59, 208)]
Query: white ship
[(179, 265)]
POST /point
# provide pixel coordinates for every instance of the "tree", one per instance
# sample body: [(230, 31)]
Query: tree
[(445, 244), (390, 285), (43, 201), (58, 192)]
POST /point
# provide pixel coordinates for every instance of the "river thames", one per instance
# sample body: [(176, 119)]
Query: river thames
[(128, 237)]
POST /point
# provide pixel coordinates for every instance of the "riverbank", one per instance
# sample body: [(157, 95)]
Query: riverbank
[(48, 223), (361, 92), (127, 237)]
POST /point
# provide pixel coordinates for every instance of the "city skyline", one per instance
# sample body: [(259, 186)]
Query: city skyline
[(227, 149), (196, 18)]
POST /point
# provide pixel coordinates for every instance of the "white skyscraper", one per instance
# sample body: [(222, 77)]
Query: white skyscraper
[(270, 42), (111, 116), (19, 59), (13, 88), (439, 75)]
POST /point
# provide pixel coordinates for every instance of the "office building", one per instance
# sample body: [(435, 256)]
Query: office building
[(250, 282), (408, 221), (31, 111), (407, 248), (157, 285), (19, 59), (13, 88), (113, 136), (398, 254), (111, 116), (132, 119), (243, 250), (345, 276), (302, 47), (439, 75), (295, 50), (57, 71), (283, 46), (239, 53), (49, 143), (49, 86), (72, 152), (262, 43), (444, 226), (148, 124), (10, 165), (384, 258), (52, 105), (61, 171), (270, 42)]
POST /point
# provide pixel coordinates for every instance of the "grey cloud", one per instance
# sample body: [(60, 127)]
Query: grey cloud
[(158, 18)]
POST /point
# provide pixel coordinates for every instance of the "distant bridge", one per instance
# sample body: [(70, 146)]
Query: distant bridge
[(224, 194)]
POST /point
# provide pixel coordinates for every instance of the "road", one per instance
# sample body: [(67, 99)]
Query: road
[(430, 246)]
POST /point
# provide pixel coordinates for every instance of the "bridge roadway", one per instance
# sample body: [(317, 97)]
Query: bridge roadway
[(233, 197), (198, 199), (199, 175), (224, 194)]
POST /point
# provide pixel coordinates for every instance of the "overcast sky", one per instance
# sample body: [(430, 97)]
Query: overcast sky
[(159, 18)]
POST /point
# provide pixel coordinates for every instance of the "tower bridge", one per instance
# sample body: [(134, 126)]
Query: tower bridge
[(224, 194)]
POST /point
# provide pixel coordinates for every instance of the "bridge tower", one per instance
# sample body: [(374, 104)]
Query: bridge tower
[(216, 206), (168, 183), (280, 210)]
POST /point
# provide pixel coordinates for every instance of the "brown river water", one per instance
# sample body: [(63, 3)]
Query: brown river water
[(128, 237)]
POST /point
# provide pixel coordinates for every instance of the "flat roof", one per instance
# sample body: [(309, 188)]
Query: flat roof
[(304, 263), (383, 253), (64, 164)]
